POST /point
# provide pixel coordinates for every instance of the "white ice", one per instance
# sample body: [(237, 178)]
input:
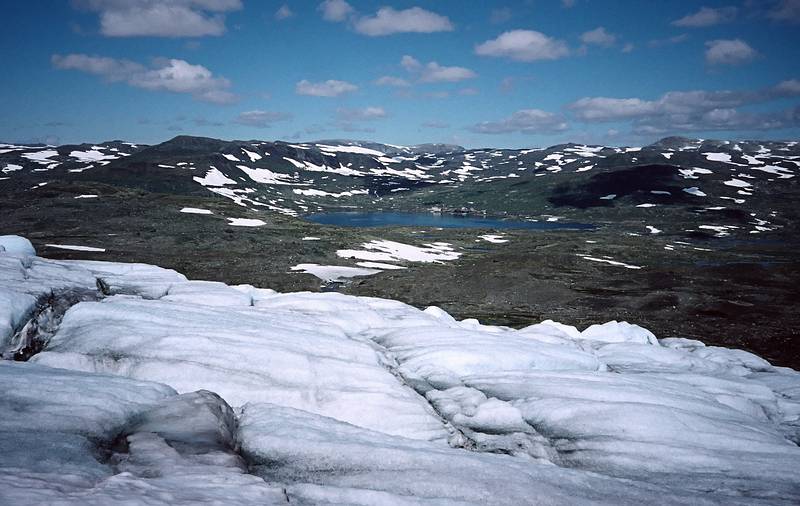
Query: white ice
[(75, 247), (246, 222), (214, 178), (92, 155), (609, 261), (737, 183), (254, 157), (718, 157), (335, 272), (695, 191), (195, 210), (391, 251), (16, 245), (353, 400), (493, 238), (10, 167), (349, 149), (41, 157)]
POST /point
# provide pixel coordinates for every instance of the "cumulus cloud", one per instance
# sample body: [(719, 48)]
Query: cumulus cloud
[(432, 72), (789, 88), (283, 12), (410, 63), (707, 16), (397, 82), (360, 114), (173, 75), (691, 110), (526, 121), (729, 52), (261, 119), (721, 120), (599, 37), (435, 73), (161, 18), (523, 45), (610, 109), (786, 10), (388, 21), (329, 88), (335, 10)]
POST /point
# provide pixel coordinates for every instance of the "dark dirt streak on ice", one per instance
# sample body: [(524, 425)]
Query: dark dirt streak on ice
[(457, 438), (34, 335)]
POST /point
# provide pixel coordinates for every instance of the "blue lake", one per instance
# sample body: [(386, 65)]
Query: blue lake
[(380, 219)]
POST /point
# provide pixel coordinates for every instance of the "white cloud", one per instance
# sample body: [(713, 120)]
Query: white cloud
[(599, 37), (161, 18), (523, 45), (261, 119), (567, 4), (707, 16), (432, 72), (676, 103), (435, 73), (410, 63), (786, 10), (526, 121), (335, 10), (388, 21), (610, 109), (788, 88), (397, 82), (173, 75), (363, 114), (729, 52), (688, 111), (329, 88), (110, 68), (627, 48), (283, 12)]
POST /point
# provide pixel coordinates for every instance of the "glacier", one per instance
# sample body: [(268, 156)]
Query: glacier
[(129, 383)]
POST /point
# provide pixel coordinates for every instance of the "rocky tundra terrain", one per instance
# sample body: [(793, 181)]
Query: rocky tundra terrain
[(691, 238)]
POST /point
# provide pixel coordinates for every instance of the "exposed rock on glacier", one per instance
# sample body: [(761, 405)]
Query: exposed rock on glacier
[(148, 390)]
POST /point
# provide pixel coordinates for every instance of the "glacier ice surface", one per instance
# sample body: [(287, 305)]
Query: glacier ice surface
[(164, 390)]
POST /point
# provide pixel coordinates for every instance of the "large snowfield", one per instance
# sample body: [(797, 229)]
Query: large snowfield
[(153, 389)]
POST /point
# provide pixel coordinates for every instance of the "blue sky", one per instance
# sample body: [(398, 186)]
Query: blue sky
[(506, 74)]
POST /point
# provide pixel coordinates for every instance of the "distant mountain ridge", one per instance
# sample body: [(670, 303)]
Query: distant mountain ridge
[(746, 180)]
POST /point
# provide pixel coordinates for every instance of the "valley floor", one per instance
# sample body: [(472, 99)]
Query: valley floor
[(723, 290)]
